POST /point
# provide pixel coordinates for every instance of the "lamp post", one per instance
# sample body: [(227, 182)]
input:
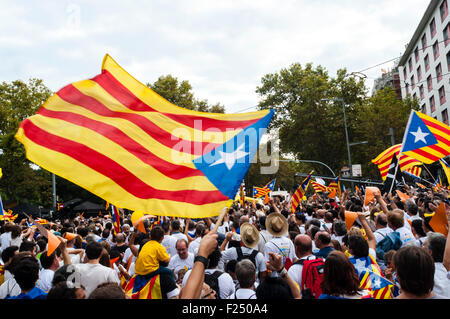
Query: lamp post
[(346, 130)]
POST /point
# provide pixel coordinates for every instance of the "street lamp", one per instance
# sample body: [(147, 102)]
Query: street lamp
[(346, 131)]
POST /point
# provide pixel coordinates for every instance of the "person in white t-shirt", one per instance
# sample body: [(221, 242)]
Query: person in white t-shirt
[(176, 230), (277, 226), (250, 239), (5, 238), (382, 229), (435, 245), (246, 276), (264, 235), (303, 250), (183, 260), (92, 273), (200, 231), (49, 265), (396, 222), (168, 241)]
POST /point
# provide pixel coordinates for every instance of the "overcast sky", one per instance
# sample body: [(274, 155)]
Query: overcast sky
[(223, 48)]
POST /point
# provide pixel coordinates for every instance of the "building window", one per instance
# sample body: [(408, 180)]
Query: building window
[(448, 61), (413, 85), (445, 116), (407, 88), (446, 34), (426, 61), (419, 73), (433, 28), (432, 104), (424, 109), (439, 73), (424, 42), (421, 92), (442, 95), (436, 49), (429, 83), (410, 65), (444, 10), (416, 54)]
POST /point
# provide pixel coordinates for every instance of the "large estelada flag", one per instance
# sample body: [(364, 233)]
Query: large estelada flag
[(425, 138), (118, 139), (384, 160)]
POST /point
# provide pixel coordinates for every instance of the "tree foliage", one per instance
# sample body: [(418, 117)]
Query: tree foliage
[(310, 128), (180, 94)]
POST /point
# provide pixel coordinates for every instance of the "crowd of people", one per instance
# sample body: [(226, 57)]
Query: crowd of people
[(253, 250)]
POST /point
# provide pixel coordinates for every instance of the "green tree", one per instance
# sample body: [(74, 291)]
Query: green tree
[(20, 182), (310, 128), (374, 119), (180, 94)]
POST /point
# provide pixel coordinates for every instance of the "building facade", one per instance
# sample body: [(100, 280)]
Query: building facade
[(389, 78), (424, 68)]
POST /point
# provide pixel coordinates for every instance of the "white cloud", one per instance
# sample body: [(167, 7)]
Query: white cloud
[(222, 48)]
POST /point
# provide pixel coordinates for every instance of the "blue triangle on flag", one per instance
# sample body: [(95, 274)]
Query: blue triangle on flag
[(418, 135), (226, 165)]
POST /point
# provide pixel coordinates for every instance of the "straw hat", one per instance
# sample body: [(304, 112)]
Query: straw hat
[(276, 224), (249, 235)]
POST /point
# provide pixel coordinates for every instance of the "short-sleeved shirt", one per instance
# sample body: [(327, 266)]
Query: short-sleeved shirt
[(149, 257), (381, 233), (226, 284), (295, 272), (179, 235), (177, 263), (264, 237), (406, 236), (34, 293), (92, 275), (194, 245), (231, 254), (282, 246), (45, 279), (169, 243), (243, 294)]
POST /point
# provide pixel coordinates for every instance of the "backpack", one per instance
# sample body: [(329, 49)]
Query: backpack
[(213, 281), (251, 257), (312, 275), (392, 241)]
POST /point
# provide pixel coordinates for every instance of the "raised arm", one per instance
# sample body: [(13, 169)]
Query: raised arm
[(368, 230), (275, 264)]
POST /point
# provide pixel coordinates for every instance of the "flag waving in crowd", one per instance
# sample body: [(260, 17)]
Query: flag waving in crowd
[(131, 147), (297, 197), (425, 138), (263, 191)]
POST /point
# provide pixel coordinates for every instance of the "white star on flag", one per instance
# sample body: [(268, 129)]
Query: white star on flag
[(376, 283), (420, 136), (360, 265), (230, 158)]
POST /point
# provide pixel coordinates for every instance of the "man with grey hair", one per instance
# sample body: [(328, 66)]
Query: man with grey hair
[(246, 276), (434, 244)]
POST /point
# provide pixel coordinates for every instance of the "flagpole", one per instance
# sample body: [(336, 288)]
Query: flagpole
[(429, 173), (401, 150)]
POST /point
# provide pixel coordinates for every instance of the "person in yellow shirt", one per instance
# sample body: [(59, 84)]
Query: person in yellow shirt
[(152, 253)]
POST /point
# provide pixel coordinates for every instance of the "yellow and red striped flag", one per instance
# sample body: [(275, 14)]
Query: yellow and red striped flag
[(297, 197), (425, 138), (318, 187), (385, 158), (116, 219), (121, 141)]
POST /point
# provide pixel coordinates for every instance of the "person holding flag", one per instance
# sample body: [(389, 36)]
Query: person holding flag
[(297, 197)]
